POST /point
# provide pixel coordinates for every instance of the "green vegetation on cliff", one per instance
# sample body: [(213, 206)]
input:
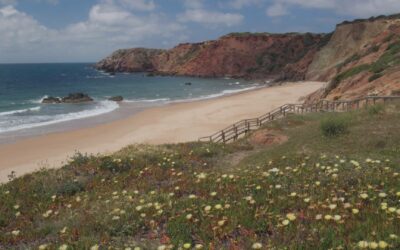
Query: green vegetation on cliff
[(311, 192)]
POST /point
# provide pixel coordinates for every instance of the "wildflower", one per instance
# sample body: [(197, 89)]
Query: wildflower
[(382, 195), (63, 247), (189, 216), (293, 194), (258, 187), (373, 245), (317, 183), (392, 209), (382, 244), (192, 196), (15, 232), (116, 217), (221, 223), (138, 208), (355, 211), (161, 247), (218, 206), (364, 196), (202, 176), (291, 216), (285, 222), (16, 207), (328, 217), (198, 246), (332, 206), (398, 211), (318, 217), (213, 194), (306, 200), (43, 247), (94, 247), (362, 244), (187, 246), (47, 213), (64, 230), (17, 214), (207, 208), (256, 245), (337, 217), (393, 236), (278, 186), (78, 199)]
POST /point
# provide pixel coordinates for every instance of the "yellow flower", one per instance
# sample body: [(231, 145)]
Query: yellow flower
[(218, 206), (337, 217), (318, 216), (291, 216), (213, 193), (364, 196), (256, 245), (328, 217), (373, 245), (43, 247), (355, 211), (63, 247), (362, 244), (187, 246), (306, 200), (382, 195), (15, 232), (161, 247), (382, 244), (198, 246), (189, 216), (285, 222), (221, 223), (207, 208), (332, 206)]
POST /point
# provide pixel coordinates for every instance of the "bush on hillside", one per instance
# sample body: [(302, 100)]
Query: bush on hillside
[(334, 126)]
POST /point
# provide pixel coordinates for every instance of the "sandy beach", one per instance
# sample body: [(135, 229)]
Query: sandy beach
[(179, 122)]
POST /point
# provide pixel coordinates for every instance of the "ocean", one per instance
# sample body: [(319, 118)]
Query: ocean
[(23, 86)]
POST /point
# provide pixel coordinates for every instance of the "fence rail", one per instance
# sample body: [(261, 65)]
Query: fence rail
[(233, 132)]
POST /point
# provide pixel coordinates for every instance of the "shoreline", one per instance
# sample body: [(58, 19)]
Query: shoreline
[(170, 123)]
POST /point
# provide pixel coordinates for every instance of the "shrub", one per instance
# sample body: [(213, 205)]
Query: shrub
[(70, 188), (334, 126), (374, 77), (375, 109)]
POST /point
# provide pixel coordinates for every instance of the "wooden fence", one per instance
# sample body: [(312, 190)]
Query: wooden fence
[(233, 132)]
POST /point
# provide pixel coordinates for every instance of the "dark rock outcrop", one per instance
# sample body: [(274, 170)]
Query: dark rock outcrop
[(116, 98), (76, 98), (51, 100), (71, 98)]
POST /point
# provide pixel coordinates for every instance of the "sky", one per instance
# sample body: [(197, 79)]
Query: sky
[(37, 31)]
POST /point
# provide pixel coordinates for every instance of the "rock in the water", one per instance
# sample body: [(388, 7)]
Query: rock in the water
[(51, 100), (116, 98), (76, 98)]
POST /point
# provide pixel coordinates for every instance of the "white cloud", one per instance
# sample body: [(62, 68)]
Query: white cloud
[(238, 4), (193, 4), (141, 5), (277, 9), (210, 17), (357, 8), (109, 26)]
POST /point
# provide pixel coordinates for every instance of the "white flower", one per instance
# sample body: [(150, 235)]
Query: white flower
[(256, 245), (63, 247)]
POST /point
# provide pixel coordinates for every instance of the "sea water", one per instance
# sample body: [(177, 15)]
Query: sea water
[(23, 86)]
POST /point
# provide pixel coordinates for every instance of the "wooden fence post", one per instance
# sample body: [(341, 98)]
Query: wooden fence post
[(223, 136)]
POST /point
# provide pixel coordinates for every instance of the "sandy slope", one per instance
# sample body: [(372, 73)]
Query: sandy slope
[(171, 123)]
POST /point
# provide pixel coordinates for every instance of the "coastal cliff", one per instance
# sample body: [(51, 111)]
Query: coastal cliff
[(362, 58), (239, 55), (359, 58)]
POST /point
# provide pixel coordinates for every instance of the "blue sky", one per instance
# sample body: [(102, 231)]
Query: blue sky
[(87, 30)]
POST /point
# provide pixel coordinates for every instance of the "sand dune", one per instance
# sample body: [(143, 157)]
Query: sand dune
[(172, 123)]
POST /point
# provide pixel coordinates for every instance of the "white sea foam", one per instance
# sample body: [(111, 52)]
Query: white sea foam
[(148, 100), (102, 107), (222, 93), (12, 112)]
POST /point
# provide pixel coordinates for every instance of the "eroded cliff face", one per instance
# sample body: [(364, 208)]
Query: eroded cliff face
[(362, 58), (244, 55)]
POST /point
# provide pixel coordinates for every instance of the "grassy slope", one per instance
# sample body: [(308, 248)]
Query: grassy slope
[(151, 196)]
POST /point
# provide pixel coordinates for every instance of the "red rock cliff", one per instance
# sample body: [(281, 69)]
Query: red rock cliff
[(247, 55)]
